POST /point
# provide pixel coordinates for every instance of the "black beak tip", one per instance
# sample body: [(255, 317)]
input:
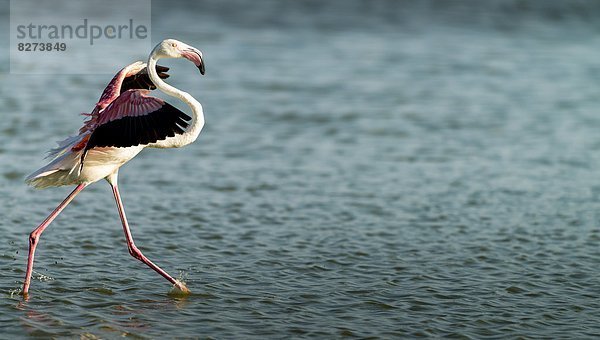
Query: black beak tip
[(201, 68)]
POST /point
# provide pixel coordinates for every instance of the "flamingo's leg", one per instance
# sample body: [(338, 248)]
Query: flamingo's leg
[(134, 251), (37, 232)]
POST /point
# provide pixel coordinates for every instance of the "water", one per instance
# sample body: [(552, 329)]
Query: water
[(368, 169)]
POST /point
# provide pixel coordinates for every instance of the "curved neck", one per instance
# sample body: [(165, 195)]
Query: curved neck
[(197, 114)]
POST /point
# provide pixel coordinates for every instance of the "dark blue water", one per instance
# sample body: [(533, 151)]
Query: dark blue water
[(387, 169)]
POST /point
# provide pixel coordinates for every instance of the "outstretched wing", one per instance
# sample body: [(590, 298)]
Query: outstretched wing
[(141, 80), (133, 76), (135, 118)]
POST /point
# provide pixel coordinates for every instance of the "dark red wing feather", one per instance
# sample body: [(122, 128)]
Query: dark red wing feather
[(141, 80)]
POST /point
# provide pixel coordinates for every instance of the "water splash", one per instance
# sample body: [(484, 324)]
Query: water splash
[(180, 291), (43, 277), (13, 293)]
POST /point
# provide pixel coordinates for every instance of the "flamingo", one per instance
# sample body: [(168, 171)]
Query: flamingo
[(125, 120)]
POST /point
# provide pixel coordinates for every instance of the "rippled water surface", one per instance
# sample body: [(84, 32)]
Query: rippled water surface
[(367, 169)]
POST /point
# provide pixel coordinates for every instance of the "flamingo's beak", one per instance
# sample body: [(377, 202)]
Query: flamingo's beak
[(194, 56), (201, 66)]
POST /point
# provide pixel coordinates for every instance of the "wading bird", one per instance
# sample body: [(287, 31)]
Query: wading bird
[(124, 122)]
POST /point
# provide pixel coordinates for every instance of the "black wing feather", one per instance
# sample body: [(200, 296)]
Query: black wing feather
[(139, 130)]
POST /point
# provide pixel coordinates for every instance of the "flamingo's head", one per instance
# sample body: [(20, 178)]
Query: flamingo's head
[(171, 48)]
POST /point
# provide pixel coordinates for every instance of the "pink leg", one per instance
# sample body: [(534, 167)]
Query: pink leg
[(35, 235), (134, 251)]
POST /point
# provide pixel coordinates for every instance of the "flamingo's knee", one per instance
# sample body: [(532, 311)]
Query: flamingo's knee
[(135, 252), (33, 238)]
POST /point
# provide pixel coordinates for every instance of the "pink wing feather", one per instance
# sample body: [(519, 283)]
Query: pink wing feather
[(131, 103)]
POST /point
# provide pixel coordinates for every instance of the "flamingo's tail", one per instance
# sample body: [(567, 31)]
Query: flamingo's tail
[(64, 162)]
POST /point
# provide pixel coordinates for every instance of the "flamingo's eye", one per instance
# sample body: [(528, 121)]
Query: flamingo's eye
[(174, 44)]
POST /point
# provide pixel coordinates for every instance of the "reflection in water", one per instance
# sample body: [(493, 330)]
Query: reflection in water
[(125, 319)]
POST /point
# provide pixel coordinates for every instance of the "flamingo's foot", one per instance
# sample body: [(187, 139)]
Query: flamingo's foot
[(25, 295), (180, 289)]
